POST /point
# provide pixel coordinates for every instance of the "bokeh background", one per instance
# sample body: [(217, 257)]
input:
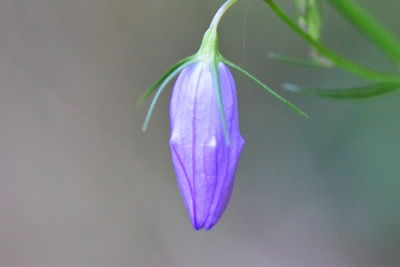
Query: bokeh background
[(81, 185)]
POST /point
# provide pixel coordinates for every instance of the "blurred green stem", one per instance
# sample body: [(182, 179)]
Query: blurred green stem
[(370, 27), (335, 58)]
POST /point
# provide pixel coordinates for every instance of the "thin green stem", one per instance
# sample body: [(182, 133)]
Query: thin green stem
[(220, 13), (335, 58)]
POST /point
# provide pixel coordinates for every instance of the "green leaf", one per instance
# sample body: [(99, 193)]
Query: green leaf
[(153, 88), (346, 93), (265, 87), (310, 63), (161, 88), (369, 26)]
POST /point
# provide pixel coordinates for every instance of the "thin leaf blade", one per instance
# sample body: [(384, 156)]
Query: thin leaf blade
[(369, 26), (310, 63), (360, 92)]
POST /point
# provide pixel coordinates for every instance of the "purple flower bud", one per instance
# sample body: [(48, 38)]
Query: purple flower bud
[(204, 163)]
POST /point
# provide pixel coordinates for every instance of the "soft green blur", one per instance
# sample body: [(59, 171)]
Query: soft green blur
[(81, 185)]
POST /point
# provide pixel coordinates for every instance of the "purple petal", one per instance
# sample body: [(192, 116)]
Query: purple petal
[(205, 166)]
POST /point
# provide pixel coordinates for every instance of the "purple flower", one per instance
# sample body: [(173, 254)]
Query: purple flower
[(204, 163)]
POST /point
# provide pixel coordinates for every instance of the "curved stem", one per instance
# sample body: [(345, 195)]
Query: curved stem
[(335, 58), (221, 11)]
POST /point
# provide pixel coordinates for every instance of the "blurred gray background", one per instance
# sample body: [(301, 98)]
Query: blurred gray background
[(81, 185)]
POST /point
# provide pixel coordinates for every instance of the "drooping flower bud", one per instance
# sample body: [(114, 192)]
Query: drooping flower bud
[(204, 162), (205, 139)]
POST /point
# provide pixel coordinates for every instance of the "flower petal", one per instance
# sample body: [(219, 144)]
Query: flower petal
[(204, 164)]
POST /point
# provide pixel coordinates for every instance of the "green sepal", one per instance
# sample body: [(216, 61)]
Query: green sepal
[(153, 88), (164, 83), (346, 93), (265, 87), (217, 86)]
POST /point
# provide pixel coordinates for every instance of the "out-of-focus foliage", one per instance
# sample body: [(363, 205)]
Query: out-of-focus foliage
[(309, 28), (308, 16), (370, 27)]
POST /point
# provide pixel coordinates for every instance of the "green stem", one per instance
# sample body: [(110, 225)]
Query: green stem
[(335, 58), (221, 11), (209, 46), (370, 27)]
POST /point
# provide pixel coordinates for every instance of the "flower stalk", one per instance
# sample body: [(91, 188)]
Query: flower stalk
[(221, 12)]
